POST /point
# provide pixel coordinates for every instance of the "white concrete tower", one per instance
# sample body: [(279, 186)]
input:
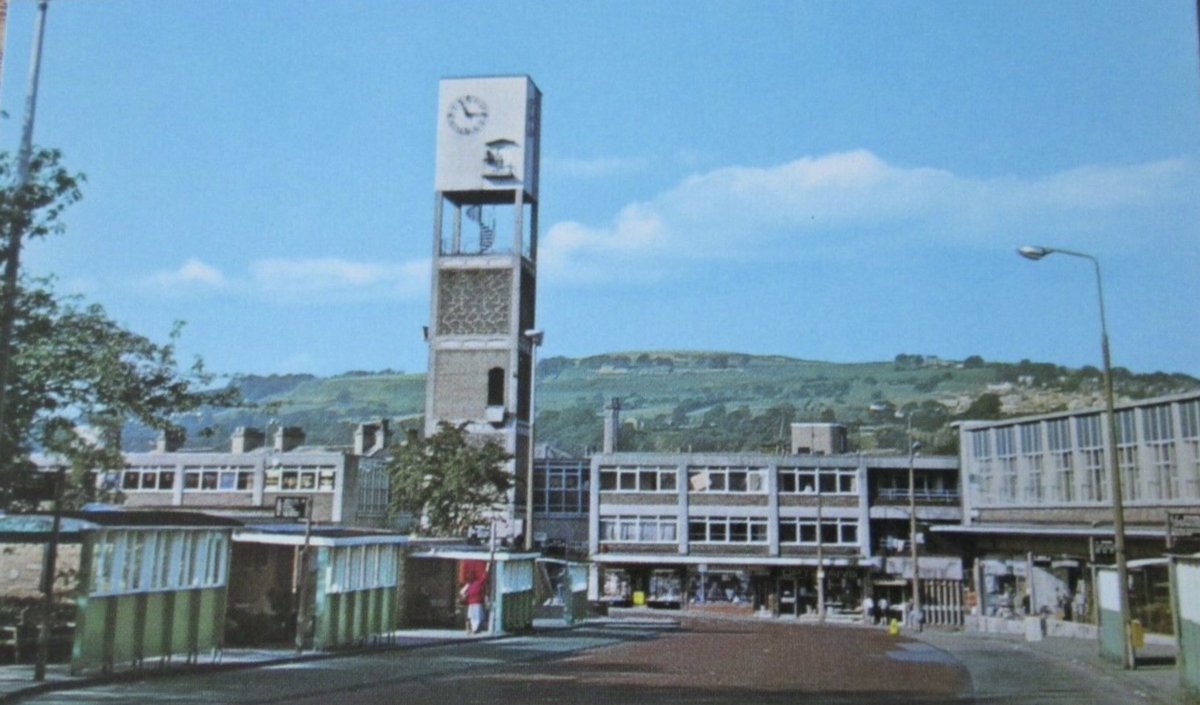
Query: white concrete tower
[(485, 263)]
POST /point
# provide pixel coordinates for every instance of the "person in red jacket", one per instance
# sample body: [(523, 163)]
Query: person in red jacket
[(475, 595)]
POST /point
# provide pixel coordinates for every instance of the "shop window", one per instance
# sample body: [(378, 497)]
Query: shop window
[(725, 587)]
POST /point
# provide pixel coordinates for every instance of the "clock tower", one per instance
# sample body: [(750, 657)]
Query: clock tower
[(485, 265)]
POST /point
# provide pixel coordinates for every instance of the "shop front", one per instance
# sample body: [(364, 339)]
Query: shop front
[(788, 590)]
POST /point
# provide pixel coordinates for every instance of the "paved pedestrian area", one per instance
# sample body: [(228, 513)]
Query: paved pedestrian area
[(655, 659), (17, 683), (1007, 668)]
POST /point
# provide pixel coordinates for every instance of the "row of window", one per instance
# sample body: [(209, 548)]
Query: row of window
[(835, 531), (561, 488), (735, 480), (362, 568), (1157, 427), (1153, 472), (147, 561), (228, 479)]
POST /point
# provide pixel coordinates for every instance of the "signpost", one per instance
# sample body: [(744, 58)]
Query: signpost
[(1182, 525), (296, 508)]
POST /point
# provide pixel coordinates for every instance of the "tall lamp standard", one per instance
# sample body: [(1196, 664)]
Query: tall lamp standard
[(916, 614), (1114, 472), (535, 339)]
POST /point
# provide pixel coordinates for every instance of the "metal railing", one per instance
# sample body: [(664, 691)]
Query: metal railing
[(930, 496)]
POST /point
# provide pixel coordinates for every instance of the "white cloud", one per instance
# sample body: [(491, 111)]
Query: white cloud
[(292, 279), (193, 272), (305, 279), (745, 212)]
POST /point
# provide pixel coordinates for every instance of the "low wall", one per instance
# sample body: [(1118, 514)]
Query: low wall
[(21, 568)]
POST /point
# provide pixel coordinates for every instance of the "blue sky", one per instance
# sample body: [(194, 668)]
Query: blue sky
[(838, 181)]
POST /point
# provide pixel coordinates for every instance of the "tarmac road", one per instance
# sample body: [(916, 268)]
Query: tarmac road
[(699, 661)]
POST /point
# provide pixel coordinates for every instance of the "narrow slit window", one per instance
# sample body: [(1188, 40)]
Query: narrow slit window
[(495, 391)]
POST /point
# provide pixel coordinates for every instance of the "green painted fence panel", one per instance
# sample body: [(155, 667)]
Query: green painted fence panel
[(156, 615), (517, 611), (1112, 631), (181, 630), (127, 640), (210, 619), (387, 610), (90, 634), (1185, 591)]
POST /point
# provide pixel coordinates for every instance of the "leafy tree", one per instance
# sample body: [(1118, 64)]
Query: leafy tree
[(985, 406), (450, 484), (78, 376), (973, 362), (31, 207), (74, 375)]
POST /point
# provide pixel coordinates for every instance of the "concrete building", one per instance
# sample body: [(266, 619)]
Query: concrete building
[(560, 502), (1037, 510), (344, 485), (481, 334), (818, 439), (752, 532)]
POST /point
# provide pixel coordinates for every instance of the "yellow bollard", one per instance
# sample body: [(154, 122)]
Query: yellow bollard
[(1137, 634), (894, 627)]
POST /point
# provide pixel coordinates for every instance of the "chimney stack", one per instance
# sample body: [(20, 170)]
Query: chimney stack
[(288, 438), (371, 437), (246, 439), (170, 440), (612, 425)]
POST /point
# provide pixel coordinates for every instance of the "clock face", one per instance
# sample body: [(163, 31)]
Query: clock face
[(467, 115)]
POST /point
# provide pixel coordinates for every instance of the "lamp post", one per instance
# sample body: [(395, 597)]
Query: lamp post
[(13, 254), (1035, 253), (535, 339), (820, 556), (913, 447)]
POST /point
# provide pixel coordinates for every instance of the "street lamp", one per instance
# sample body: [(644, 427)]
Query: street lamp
[(1114, 474), (535, 339), (913, 447)]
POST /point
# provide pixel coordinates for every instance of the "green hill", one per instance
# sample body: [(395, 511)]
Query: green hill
[(700, 400)]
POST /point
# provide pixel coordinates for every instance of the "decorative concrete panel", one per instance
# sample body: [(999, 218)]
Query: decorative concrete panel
[(474, 302)]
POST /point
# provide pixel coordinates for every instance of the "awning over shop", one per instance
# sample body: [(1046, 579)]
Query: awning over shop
[(932, 567)]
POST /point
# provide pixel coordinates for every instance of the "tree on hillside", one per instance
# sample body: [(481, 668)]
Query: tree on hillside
[(987, 406), (447, 483)]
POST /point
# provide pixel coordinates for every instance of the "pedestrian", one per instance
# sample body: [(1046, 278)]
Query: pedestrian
[(869, 610), (883, 610), (474, 593)]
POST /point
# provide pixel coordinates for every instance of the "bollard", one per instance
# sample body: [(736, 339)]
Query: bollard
[(1137, 634)]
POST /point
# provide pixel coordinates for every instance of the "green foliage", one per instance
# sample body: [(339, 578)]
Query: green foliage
[(78, 375), (74, 374), (986, 406), (447, 482), (577, 429), (674, 400), (34, 209)]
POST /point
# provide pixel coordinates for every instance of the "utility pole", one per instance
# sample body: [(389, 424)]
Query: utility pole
[(13, 256), (302, 583), (913, 447)]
